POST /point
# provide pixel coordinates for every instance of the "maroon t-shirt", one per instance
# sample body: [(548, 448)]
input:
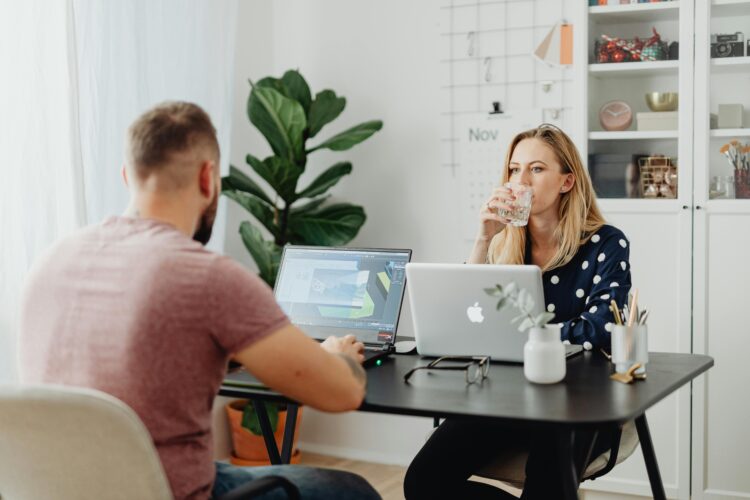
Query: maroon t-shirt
[(136, 309)]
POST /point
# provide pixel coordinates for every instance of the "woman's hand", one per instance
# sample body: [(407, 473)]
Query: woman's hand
[(490, 222)]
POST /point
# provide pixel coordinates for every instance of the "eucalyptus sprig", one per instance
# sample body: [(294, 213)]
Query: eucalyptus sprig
[(521, 300)]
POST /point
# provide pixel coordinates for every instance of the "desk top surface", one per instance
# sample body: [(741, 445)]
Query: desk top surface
[(585, 396)]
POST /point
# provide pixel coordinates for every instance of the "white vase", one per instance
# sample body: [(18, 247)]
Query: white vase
[(544, 356)]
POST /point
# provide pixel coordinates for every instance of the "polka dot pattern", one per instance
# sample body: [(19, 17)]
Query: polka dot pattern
[(614, 284), (623, 243), (587, 345), (554, 280), (601, 257), (566, 342), (605, 296), (623, 265), (585, 265), (593, 309), (609, 327), (551, 307), (579, 293), (597, 279), (596, 238)]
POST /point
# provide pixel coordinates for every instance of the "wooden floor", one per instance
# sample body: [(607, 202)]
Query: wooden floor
[(388, 480)]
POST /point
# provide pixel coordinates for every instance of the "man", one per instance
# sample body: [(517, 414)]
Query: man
[(137, 308)]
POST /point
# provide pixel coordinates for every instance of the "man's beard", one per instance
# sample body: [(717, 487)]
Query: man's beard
[(206, 224)]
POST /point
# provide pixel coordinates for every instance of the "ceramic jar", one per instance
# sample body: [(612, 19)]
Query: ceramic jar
[(544, 356)]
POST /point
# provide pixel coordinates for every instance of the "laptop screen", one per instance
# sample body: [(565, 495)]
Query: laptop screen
[(340, 291)]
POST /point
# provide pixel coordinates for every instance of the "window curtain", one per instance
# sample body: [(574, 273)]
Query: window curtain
[(76, 73)]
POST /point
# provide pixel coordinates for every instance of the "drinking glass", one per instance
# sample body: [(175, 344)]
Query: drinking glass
[(518, 215)]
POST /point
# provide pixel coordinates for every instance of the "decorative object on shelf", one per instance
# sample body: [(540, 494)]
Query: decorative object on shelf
[(497, 108), (658, 177), (728, 45), (730, 115), (613, 49), (739, 158), (662, 120), (662, 101), (615, 175), (673, 53), (615, 115), (544, 352)]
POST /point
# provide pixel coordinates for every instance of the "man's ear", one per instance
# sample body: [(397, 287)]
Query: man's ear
[(207, 183)]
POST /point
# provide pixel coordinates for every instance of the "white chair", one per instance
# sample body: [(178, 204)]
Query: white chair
[(510, 465), (66, 443)]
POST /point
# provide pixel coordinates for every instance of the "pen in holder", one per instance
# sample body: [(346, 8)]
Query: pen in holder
[(630, 345)]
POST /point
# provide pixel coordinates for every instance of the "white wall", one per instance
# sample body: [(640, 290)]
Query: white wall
[(383, 57)]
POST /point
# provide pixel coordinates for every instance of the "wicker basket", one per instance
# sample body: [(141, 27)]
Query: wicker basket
[(658, 177)]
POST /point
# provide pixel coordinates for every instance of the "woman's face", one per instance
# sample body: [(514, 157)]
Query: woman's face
[(535, 164)]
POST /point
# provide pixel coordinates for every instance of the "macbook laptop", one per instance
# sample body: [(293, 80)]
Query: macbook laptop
[(344, 291), (453, 316)]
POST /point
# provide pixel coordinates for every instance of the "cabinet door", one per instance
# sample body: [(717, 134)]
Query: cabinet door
[(660, 258), (721, 398)]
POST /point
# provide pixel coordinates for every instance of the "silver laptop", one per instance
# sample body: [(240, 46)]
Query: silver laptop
[(453, 316), (339, 291)]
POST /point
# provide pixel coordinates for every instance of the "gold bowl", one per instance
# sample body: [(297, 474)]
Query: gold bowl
[(662, 101)]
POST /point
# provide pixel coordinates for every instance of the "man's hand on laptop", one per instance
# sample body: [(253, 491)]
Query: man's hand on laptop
[(346, 345)]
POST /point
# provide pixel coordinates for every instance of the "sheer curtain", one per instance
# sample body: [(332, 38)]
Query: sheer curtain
[(75, 74)]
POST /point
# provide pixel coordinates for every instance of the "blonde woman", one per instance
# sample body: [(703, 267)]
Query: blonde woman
[(584, 266)]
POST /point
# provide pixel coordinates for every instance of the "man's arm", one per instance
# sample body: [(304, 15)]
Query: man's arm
[(326, 376)]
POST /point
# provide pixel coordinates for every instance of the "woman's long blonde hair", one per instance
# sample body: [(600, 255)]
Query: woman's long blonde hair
[(579, 214)]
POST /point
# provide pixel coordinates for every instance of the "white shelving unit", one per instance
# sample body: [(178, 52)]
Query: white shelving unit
[(660, 229), (721, 237)]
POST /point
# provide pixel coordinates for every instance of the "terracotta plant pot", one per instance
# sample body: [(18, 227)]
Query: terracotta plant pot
[(250, 449)]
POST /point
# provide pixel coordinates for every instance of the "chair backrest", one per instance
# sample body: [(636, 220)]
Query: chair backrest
[(509, 466), (70, 443)]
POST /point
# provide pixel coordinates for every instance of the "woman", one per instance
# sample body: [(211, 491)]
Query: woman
[(584, 266)]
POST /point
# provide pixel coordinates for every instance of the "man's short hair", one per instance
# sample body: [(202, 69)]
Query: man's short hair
[(171, 132)]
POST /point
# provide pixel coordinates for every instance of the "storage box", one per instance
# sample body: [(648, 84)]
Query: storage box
[(662, 120), (730, 115)]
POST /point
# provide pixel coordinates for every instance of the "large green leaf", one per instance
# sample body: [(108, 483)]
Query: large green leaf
[(350, 137), (309, 206), (280, 173), (325, 180), (324, 109), (281, 121), (274, 83), (260, 210), (297, 89), (265, 253), (237, 180), (333, 225)]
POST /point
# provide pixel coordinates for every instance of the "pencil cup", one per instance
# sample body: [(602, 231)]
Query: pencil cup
[(630, 345)]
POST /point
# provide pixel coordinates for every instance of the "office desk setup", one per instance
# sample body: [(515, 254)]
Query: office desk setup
[(585, 399)]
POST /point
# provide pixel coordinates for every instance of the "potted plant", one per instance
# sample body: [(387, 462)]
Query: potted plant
[(286, 114), (248, 445), (543, 353)]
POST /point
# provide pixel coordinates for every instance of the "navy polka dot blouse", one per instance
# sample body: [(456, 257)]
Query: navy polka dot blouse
[(579, 293)]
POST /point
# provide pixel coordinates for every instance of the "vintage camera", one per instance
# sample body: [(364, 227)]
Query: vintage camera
[(728, 45)]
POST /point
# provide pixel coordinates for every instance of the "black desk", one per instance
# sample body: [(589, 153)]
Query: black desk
[(586, 398)]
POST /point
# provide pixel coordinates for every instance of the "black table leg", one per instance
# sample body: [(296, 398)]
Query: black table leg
[(291, 423), (657, 487), (265, 427), (567, 464)]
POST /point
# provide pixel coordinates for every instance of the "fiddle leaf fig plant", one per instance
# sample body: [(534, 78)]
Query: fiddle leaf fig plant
[(289, 117), (521, 299)]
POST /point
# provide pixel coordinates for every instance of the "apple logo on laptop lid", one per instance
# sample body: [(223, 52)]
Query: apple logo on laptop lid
[(474, 313)]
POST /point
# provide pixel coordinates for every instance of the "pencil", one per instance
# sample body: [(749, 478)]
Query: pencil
[(633, 303), (615, 311)]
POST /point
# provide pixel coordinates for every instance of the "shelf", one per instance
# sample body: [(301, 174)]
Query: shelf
[(639, 205), (632, 135), (730, 132), (640, 68), (725, 65), (643, 12), (730, 8)]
